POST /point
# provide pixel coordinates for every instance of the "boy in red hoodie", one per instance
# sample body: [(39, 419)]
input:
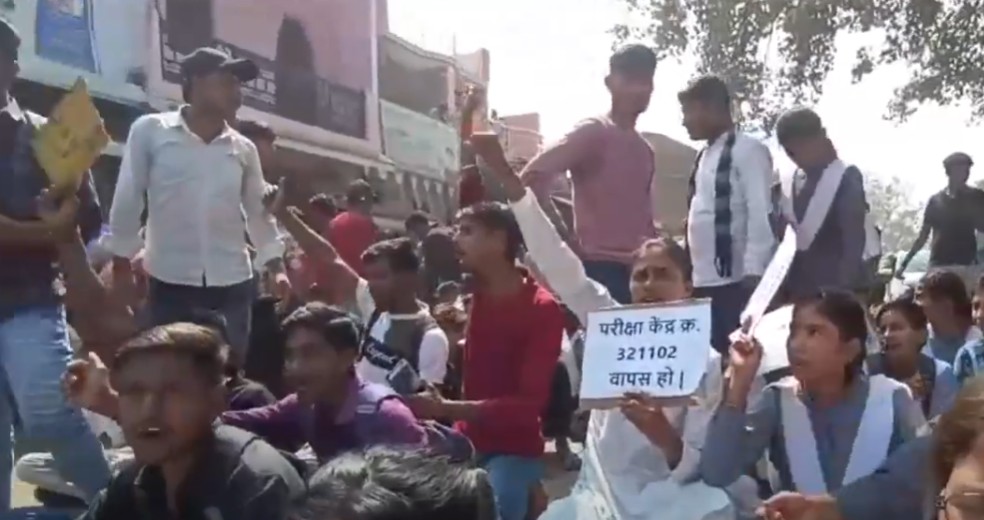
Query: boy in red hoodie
[(511, 348)]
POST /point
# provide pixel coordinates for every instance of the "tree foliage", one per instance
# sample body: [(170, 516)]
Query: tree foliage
[(777, 53), (895, 212)]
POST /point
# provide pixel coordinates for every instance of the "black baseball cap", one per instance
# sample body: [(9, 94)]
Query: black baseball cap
[(9, 40), (207, 60), (957, 159), (633, 60)]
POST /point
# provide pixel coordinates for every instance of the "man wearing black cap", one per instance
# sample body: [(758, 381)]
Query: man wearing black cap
[(33, 340), (952, 217), (611, 166), (823, 200), (197, 177)]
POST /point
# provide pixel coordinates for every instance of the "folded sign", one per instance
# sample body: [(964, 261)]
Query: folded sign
[(71, 140)]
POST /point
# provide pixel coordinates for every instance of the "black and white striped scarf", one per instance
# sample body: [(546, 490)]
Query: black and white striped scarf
[(723, 261)]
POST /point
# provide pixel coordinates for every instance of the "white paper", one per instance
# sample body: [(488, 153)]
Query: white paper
[(772, 333), (772, 280), (661, 351)]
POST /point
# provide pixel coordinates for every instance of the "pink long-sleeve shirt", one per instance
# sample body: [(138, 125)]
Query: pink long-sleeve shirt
[(612, 172)]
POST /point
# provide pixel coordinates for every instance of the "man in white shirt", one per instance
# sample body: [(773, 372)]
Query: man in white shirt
[(201, 183), (728, 228)]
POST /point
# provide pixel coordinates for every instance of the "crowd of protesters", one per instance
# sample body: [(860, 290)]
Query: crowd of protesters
[(238, 358)]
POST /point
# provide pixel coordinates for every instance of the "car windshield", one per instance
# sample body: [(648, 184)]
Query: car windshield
[(919, 263)]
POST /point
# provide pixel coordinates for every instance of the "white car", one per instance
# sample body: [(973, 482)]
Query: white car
[(914, 272)]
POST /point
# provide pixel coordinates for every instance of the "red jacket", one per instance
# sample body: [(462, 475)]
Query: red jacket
[(511, 349)]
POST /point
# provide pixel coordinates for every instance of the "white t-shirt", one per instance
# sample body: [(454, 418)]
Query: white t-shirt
[(432, 360)]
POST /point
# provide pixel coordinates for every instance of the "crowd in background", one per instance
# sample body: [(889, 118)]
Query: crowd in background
[(239, 358)]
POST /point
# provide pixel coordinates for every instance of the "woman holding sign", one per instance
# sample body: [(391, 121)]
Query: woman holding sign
[(825, 426), (641, 460)]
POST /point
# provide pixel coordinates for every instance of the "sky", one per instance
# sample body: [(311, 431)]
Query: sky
[(550, 56)]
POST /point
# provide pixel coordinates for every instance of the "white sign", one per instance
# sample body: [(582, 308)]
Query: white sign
[(772, 280), (658, 350)]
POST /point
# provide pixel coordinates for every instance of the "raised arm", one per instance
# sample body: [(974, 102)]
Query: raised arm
[(318, 249), (471, 190), (554, 258), (97, 316)]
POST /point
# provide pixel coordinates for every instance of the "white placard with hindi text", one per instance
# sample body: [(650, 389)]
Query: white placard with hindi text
[(659, 350)]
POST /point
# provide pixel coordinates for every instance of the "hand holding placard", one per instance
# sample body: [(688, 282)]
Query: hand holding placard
[(68, 144), (661, 351)]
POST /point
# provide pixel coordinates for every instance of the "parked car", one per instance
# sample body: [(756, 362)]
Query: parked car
[(914, 272)]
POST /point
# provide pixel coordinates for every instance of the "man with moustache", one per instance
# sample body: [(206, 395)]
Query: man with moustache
[(198, 178)]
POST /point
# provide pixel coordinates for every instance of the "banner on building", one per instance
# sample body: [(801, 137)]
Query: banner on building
[(418, 143), (315, 56), (415, 78), (103, 42)]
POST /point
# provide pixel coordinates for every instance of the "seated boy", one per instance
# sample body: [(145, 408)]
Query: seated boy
[(38, 469), (168, 392), (323, 344), (333, 410)]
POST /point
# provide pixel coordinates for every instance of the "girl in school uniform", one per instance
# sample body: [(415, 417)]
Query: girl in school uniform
[(823, 427), (641, 460), (902, 325), (946, 301)]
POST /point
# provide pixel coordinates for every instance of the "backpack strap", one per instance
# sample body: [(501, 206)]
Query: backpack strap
[(373, 318), (421, 329)]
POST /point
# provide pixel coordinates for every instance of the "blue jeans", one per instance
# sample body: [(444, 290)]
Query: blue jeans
[(512, 479), (170, 303), (34, 352), (613, 275)]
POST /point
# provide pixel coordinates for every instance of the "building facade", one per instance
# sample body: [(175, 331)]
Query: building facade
[(421, 97)]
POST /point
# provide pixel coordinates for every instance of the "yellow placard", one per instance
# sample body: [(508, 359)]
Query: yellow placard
[(71, 140)]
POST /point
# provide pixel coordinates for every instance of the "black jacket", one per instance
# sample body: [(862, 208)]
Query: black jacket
[(239, 477)]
